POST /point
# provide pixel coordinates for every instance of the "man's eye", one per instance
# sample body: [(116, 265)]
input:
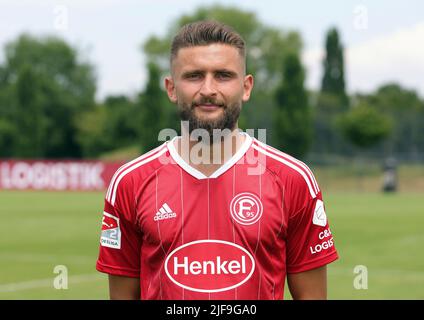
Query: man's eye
[(224, 75), (193, 76)]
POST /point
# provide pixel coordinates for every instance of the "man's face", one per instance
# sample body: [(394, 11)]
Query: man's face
[(208, 84)]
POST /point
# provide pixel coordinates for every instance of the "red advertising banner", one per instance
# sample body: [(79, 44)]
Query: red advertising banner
[(56, 175)]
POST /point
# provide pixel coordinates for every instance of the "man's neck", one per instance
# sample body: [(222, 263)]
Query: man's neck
[(210, 154)]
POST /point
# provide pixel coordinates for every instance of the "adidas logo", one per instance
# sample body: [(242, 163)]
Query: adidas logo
[(164, 212)]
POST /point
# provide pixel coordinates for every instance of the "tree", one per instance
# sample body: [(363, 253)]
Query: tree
[(364, 126), (292, 116), (43, 87), (110, 125), (333, 82), (30, 119), (7, 134), (8, 130), (332, 100), (406, 110), (122, 129), (92, 134), (151, 109)]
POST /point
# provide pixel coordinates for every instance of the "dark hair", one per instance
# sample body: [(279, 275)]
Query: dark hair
[(203, 33)]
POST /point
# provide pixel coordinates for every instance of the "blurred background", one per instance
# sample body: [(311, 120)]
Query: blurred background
[(338, 85)]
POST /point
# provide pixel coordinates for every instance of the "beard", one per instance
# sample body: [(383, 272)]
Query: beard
[(227, 119)]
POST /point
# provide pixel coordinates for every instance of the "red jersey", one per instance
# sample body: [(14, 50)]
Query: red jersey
[(233, 235)]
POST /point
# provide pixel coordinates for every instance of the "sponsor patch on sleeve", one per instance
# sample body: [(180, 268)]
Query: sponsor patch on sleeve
[(320, 218), (111, 232)]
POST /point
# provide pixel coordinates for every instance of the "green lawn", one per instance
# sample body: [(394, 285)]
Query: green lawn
[(385, 233), (45, 229), (40, 230)]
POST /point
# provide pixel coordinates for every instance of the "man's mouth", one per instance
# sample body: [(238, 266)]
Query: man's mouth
[(208, 106)]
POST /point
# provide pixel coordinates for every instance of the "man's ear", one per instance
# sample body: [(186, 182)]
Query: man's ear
[(247, 87), (170, 89)]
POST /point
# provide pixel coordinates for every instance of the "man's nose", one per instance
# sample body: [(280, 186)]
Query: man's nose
[(208, 87)]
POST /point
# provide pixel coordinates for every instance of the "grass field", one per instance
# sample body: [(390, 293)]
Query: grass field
[(40, 230)]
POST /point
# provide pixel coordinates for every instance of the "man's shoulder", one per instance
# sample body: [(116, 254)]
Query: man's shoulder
[(286, 167), (135, 170), (147, 162), (275, 158)]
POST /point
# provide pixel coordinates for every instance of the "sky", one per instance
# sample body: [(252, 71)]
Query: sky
[(383, 40)]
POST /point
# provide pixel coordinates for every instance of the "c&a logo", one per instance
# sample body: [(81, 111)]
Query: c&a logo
[(246, 208)]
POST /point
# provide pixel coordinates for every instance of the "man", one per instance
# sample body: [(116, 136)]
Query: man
[(207, 216)]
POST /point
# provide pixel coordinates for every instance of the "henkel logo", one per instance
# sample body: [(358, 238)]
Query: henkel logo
[(246, 208), (209, 266)]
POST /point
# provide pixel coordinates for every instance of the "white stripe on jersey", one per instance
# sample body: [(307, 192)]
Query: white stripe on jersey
[(125, 166), (298, 162), (167, 208), (131, 168), (289, 157), (289, 164)]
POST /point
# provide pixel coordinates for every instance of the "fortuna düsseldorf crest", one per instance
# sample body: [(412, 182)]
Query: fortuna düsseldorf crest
[(246, 208)]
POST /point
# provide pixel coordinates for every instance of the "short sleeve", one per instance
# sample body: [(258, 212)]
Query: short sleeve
[(310, 243), (120, 240)]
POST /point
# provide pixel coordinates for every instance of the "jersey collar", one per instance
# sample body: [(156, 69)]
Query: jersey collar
[(221, 170)]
